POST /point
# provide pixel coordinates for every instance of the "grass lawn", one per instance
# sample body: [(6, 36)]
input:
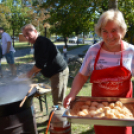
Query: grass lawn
[(21, 45)]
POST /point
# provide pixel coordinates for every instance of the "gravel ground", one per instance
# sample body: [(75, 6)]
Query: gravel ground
[(20, 69)]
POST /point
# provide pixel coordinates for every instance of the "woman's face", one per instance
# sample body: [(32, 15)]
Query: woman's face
[(111, 33)]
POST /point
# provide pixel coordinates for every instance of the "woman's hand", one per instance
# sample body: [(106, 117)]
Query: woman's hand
[(67, 100)]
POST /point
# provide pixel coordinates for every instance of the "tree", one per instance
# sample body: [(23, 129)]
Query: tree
[(127, 7), (64, 17), (3, 16), (70, 16), (15, 15)]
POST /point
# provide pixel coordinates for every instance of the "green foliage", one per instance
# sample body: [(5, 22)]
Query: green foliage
[(15, 15), (70, 16), (63, 17)]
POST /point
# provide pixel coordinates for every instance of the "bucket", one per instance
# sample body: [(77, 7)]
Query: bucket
[(59, 124)]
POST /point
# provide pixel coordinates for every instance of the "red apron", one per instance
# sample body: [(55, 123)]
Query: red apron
[(111, 82)]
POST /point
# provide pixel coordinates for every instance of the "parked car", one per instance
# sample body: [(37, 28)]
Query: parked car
[(73, 40), (60, 39), (15, 38), (80, 41)]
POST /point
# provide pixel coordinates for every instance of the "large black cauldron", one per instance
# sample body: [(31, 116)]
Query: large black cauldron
[(13, 119)]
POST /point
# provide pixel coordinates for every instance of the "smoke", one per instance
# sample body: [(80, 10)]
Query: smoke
[(14, 91)]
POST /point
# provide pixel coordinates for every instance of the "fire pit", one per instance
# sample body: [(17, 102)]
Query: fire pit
[(13, 119)]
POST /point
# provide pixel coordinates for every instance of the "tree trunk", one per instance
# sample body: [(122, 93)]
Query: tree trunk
[(113, 4), (83, 39), (65, 40)]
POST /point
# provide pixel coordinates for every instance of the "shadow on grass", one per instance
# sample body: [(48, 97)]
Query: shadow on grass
[(42, 127), (42, 124), (91, 131), (41, 131)]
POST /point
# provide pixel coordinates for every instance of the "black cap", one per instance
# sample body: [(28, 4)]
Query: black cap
[(1, 28)]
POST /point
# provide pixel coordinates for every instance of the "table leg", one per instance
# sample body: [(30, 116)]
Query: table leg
[(46, 105), (41, 108)]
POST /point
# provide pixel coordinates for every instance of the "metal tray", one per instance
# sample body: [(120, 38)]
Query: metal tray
[(100, 121)]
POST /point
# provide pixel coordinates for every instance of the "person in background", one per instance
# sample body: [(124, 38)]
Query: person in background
[(8, 50), (32, 49), (0, 61), (95, 41), (66, 41), (48, 61), (65, 52), (109, 64)]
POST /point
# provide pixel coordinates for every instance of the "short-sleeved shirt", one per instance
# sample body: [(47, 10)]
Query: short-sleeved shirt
[(0, 52), (64, 50), (47, 57), (6, 38), (107, 59)]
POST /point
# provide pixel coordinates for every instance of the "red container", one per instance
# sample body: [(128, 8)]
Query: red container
[(60, 130)]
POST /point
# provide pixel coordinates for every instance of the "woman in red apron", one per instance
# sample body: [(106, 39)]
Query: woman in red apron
[(106, 84), (111, 81)]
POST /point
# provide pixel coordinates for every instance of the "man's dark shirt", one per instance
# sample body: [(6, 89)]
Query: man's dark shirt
[(47, 57)]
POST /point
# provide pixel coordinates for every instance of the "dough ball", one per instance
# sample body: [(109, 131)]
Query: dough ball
[(85, 111), (92, 108), (99, 110), (106, 108), (92, 113), (88, 103), (110, 115), (94, 104), (99, 115), (119, 104), (100, 106), (84, 107), (111, 105), (81, 113), (77, 107), (120, 116), (72, 113), (118, 108), (105, 103)]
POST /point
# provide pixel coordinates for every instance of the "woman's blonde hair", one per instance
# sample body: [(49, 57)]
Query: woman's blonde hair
[(111, 15)]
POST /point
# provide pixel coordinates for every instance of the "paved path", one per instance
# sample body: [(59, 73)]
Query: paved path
[(72, 53), (77, 51)]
